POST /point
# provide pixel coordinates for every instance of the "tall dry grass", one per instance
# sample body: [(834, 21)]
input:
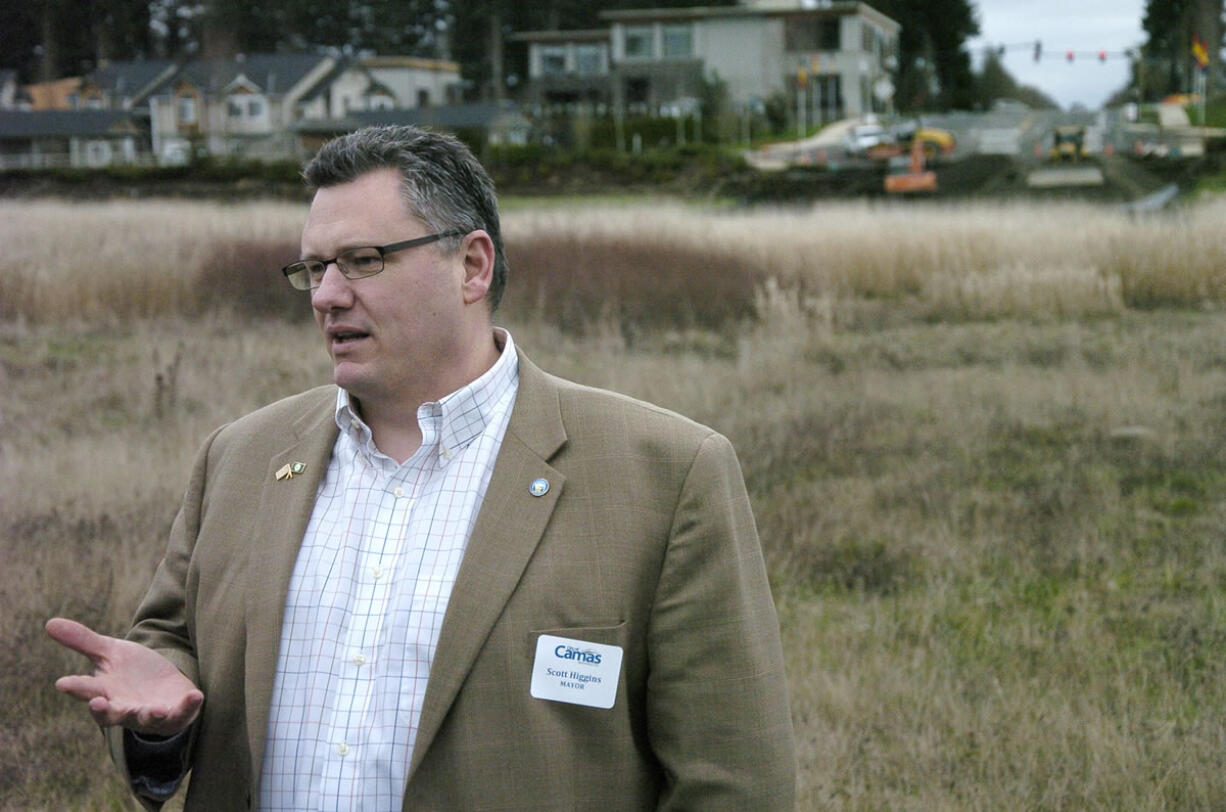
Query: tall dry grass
[(663, 265), (992, 513)]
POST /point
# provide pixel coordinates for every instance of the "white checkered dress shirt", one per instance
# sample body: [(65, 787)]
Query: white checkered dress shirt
[(367, 597)]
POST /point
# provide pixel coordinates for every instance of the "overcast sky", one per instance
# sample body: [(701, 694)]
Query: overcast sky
[(1084, 26)]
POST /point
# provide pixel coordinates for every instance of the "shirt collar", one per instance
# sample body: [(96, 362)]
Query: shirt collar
[(454, 420)]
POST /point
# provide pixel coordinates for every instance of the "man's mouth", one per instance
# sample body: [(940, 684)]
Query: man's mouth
[(344, 336)]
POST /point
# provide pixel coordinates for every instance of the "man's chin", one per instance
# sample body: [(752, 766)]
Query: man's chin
[(348, 378)]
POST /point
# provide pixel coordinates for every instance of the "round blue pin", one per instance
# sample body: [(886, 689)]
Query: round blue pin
[(539, 487)]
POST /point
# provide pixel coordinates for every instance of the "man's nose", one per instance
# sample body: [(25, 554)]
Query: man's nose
[(333, 291)]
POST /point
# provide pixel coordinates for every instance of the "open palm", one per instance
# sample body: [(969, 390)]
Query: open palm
[(132, 686)]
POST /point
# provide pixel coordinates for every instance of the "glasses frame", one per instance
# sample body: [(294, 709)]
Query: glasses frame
[(304, 265)]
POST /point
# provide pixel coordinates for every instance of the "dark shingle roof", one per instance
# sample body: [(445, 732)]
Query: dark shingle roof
[(128, 79), (274, 73), (63, 123)]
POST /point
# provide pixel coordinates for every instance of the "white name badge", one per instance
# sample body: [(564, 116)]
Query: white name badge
[(576, 671)]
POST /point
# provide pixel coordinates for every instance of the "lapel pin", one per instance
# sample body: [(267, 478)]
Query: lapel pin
[(539, 487), (290, 470)]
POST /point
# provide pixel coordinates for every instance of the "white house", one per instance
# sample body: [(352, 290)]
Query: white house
[(250, 105)]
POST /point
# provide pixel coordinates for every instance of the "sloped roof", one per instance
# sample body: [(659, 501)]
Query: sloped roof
[(321, 86), (44, 123), (131, 79), (274, 73)]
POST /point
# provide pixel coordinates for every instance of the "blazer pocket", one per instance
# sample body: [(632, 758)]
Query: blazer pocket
[(610, 634)]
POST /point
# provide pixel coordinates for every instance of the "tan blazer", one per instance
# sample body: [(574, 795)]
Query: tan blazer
[(644, 540)]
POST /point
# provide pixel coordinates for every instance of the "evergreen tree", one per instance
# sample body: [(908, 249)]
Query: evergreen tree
[(1168, 64), (934, 70)]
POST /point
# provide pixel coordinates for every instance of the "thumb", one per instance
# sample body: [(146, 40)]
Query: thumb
[(77, 636)]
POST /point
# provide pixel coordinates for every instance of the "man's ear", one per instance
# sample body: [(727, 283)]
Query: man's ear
[(478, 256)]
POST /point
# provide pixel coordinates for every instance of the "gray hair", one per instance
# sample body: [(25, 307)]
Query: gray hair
[(444, 184)]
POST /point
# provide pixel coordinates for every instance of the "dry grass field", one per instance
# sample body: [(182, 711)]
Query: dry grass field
[(985, 448)]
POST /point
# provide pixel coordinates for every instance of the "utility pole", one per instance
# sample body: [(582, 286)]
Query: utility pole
[(48, 68), (496, 89), (801, 123)]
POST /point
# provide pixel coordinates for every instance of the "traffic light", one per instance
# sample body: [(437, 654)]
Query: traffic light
[(1038, 50)]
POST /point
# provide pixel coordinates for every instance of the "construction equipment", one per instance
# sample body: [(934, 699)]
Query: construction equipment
[(935, 142), (1067, 144), (909, 174)]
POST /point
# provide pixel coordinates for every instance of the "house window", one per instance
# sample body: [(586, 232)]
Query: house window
[(553, 60), (255, 108), (637, 91), (423, 98), (186, 108), (234, 109), (806, 34), (678, 42), (588, 61), (638, 42)]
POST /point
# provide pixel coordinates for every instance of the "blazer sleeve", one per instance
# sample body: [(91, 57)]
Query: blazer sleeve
[(717, 705), (154, 773)]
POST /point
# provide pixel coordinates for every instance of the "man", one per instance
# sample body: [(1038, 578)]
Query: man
[(450, 581)]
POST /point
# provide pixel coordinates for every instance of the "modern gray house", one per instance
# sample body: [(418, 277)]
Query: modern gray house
[(831, 59)]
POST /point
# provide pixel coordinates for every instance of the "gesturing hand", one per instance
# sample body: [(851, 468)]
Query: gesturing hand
[(132, 686)]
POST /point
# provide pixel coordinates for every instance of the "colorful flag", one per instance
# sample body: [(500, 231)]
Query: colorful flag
[(1200, 52)]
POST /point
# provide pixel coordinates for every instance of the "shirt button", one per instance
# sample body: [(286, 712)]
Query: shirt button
[(359, 659), (446, 453), (377, 573), (342, 749), (398, 492)]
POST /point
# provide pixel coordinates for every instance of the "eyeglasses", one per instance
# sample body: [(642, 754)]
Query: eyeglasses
[(356, 263)]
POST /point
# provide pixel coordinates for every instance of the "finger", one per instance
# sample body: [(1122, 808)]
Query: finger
[(193, 702), (190, 708), (104, 712), (182, 714), (152, 718), (77, 636), (163, 721), (80, 687)]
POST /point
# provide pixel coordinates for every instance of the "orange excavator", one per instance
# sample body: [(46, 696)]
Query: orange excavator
[(908, 174)]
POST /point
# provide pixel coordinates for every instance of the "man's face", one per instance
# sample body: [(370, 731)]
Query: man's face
[(391, 336)]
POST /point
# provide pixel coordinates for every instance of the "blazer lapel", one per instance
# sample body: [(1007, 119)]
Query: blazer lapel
[(285, 509), (508, 528)]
